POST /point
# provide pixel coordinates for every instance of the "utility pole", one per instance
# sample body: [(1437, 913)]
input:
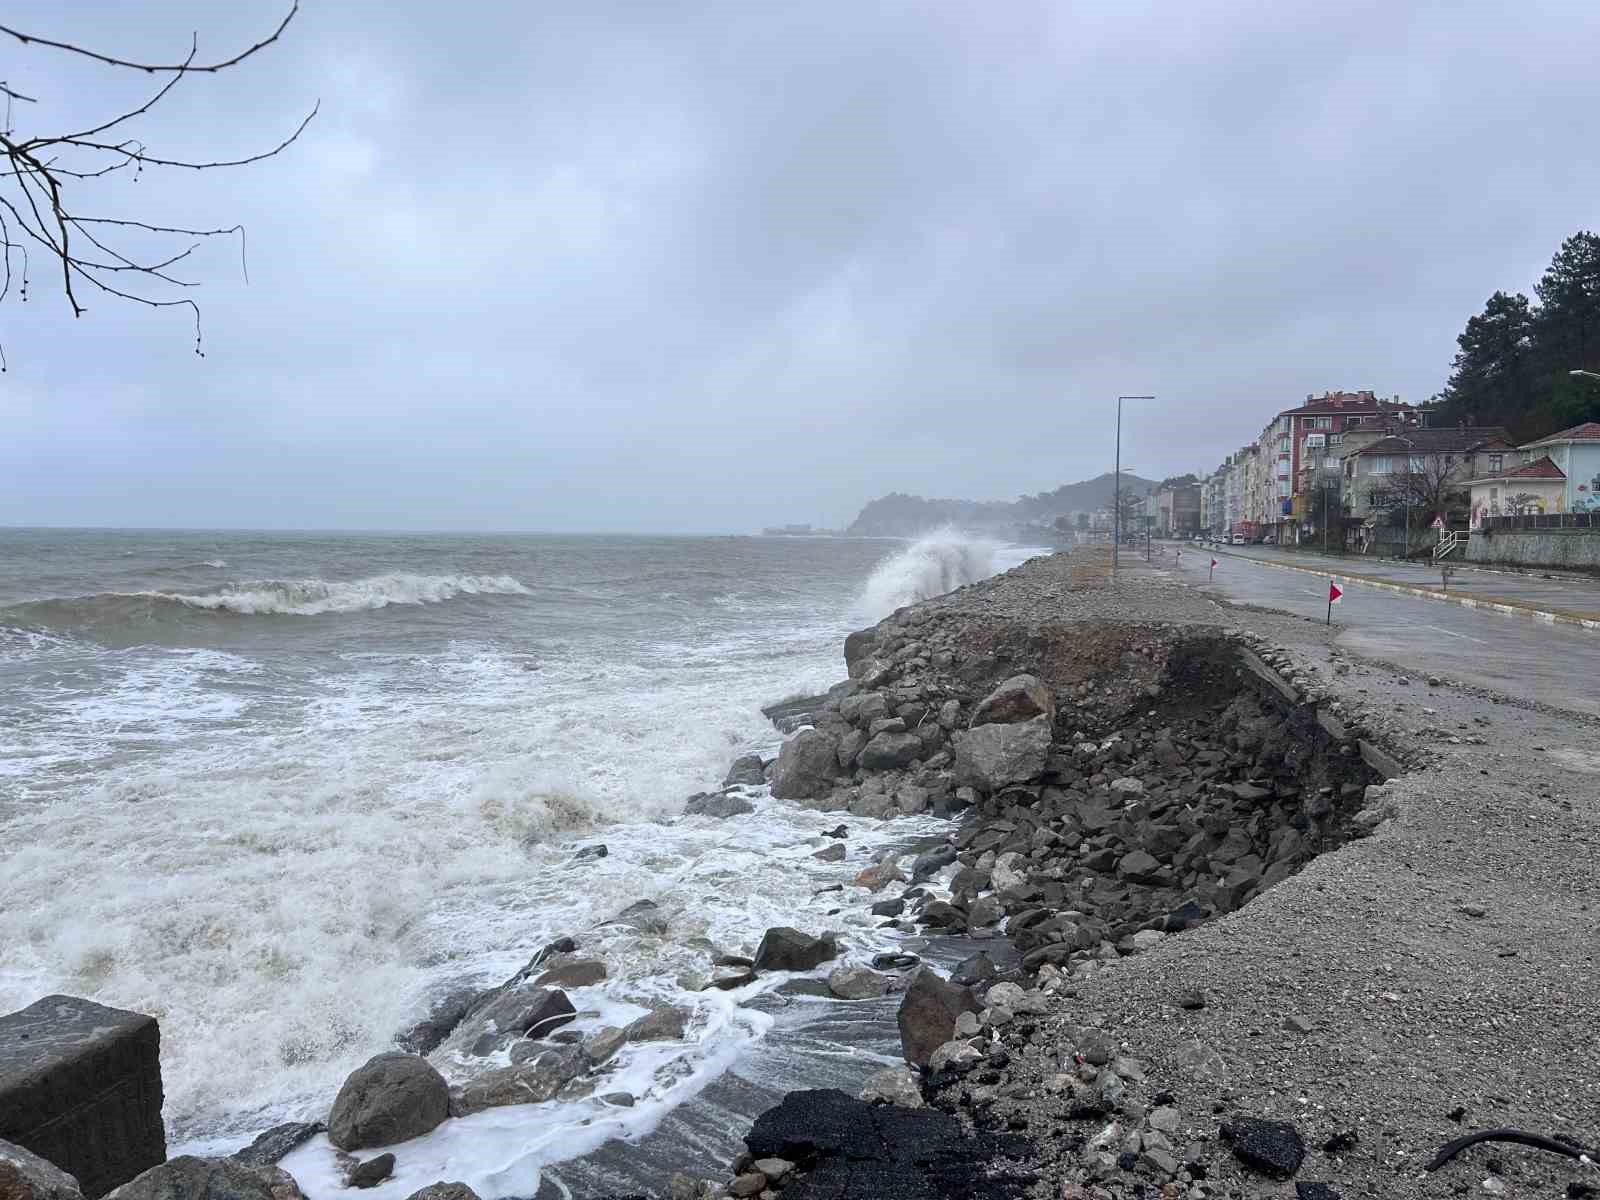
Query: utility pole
[(1116, 526)]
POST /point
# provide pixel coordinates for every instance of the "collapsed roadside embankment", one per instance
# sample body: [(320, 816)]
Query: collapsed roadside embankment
[(1164, 761)]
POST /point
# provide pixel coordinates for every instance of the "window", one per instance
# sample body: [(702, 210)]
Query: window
[(1319, 423), (1416, 465), (1336, 439), (1382, 464), (1496, 462), (1283, 444)]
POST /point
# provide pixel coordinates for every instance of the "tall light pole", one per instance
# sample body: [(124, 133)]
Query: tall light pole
[(1116, 533), (1576, 374)]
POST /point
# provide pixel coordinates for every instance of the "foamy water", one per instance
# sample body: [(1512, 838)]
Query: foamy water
[(284, 808)]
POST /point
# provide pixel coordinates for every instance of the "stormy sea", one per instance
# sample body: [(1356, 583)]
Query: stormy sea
[(284, 791)]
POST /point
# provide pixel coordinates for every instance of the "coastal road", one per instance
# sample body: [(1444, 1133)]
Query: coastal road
[(1514, 655)]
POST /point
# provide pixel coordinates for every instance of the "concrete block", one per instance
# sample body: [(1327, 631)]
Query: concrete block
[(80, 1085)]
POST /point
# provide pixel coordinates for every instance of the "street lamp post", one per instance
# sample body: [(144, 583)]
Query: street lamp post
[(1576, 374), (1116, 525)]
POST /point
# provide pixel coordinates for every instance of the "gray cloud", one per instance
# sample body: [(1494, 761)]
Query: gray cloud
[(709, 266)]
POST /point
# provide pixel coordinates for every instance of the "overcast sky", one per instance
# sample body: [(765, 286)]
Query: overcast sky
[(703, 267)]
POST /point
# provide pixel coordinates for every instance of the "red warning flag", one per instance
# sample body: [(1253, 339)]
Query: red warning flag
[(1334, 593)]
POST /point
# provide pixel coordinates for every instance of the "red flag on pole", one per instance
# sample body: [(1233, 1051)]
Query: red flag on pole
[(1334, 594)]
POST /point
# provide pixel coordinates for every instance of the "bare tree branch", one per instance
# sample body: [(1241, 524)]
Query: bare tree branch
[(188, 66), (44, 174)]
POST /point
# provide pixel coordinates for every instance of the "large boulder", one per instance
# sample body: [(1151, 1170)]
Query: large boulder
[(785, 949), (26, 1176), (190, 1178), (444, 1191), (808, 766), (887, 750), (858, 645), (928, 1013), (994, 756), (1020, 698), (393, 1098)]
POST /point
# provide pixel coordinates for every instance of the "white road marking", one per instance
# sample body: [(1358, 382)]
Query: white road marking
[(1462, 636)]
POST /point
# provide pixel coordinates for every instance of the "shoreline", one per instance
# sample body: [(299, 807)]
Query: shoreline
[(1291, 993)]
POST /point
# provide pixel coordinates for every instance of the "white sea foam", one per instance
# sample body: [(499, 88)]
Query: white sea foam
[(934, 564), (310, 597)]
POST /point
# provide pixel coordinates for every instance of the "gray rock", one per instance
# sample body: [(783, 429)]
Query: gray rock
[(392, 1098), (1010, 871), (1164, 1119), (893, 1085), (808, 766), (927, 1016), (858, 983), (888, 908), (775, 1169), (444, 1191), (993, 756), (833, 853), (721, 805), (663, 1025), (956, 1055), (850, 748), (785, 949), (585, 972), (272, 1145), (531, 1082), (977, 969), (521, 1009), (444, 1014), (984, 913), (858, 645), (642, 916), (747, 771), (26, 1176), (1140, 866), (602, 1044), (190, 1178), (931, 862), (889, 750), (864, 708), (370, 1173), (911, 800), (1298, 1024), (1020, 698)]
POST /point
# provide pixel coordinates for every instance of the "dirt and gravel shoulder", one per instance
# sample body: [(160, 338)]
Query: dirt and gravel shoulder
[(1436, 978)]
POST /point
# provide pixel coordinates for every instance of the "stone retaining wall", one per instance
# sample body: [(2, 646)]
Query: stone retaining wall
[(1537, 547)]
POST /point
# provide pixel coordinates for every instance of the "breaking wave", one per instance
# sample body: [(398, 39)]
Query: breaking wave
[(934, 564), (296, 597)]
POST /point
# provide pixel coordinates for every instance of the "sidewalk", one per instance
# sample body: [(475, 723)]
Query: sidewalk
[(1554, 601)]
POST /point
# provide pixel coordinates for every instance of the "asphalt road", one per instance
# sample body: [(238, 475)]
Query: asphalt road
[(1514, 655), (1556, 593)]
